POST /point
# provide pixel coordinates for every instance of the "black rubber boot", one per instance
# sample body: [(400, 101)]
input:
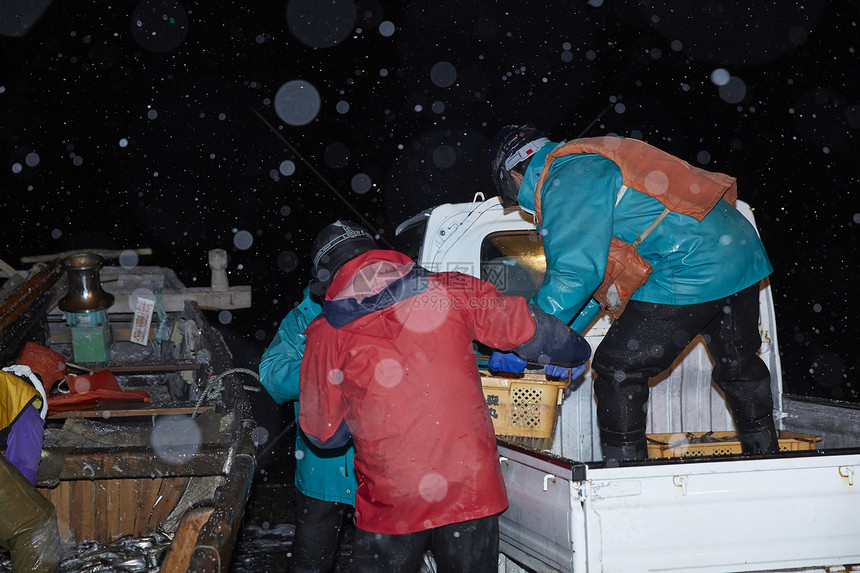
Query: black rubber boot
[(758, 436), (751, 405), (623, 447)]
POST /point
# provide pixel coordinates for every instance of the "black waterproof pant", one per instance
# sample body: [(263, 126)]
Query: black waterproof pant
[(318, 526), (647, 338), (470, 546)]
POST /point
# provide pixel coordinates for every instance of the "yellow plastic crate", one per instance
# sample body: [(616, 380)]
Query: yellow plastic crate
[(724, 443), (524, 406)]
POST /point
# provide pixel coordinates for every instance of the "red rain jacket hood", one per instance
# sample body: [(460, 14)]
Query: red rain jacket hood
[(391, 354)]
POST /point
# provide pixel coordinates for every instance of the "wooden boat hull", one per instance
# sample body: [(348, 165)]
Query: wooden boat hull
[(181, 466), (104, 510)]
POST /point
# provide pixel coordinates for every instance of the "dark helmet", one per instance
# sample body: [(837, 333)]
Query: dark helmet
[(336, 245), (513, 145)]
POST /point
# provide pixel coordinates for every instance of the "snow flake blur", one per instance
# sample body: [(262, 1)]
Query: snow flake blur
[(297, 102), (386, 29), (444, 156), (657, 182), (288, 261), (260, 435), (128, 259), (336, 155), (321, 24), (361, 183), (427, 312), (388, 372), (734, 91), (243, 240), (335, 376), (159, 25), (175, 439), (720, 77), (443, 74), (433, 487)]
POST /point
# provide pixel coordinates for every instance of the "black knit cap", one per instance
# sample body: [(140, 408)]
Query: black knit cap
[(336, 245)]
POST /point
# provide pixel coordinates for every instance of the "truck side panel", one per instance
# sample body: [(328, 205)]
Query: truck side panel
[(723, 516), (538, 529)]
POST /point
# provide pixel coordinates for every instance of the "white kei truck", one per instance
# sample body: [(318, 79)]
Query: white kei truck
[(797, 510)]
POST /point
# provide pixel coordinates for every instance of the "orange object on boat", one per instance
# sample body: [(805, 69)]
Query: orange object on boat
[(89, 390), (49, 365)]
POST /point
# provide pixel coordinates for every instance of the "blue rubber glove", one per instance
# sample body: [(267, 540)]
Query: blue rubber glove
[(562, 372), (507, 362)]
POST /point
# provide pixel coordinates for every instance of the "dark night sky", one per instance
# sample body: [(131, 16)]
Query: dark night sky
[(131, 124)]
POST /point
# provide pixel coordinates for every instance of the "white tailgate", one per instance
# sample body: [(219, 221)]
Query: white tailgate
[(749, 515), (538, 529)]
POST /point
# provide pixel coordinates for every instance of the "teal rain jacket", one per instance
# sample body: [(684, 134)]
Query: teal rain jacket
[(693, 261), (321, 474)]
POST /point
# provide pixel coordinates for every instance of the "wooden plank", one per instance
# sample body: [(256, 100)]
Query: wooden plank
[(142, 367), (114, 497), (51, 495), (64, 500), (218, 535), (147, 494), (6, 269), (81, 511), (103, 517), (141, 462), (59, 497), (119, 333), (137, 410), (179, 555), (14, 305), (173, 299), (168, 496), (103, 253), (128, 493), (18, 316)]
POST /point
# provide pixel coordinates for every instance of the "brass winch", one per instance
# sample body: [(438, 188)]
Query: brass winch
[(85, 288), (85, 305)]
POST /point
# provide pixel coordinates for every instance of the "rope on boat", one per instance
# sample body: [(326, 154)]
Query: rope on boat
[(216, 383)]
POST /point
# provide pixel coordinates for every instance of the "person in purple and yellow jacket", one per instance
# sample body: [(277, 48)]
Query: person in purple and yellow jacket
[(23, 407), (29, 524)]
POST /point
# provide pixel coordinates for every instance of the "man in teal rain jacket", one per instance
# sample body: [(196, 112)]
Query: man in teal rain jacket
[(325, 479), (705, 272)]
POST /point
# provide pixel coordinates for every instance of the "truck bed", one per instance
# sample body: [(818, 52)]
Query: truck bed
[(795, 512), (792, 511)]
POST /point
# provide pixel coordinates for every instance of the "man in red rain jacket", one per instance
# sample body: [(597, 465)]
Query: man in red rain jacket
[(390, 362)]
